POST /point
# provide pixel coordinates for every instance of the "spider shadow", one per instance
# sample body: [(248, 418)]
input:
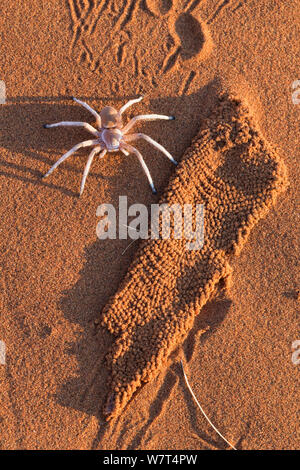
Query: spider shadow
[(34, 149)]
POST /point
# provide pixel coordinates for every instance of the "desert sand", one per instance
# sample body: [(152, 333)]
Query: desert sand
[(57, 276)]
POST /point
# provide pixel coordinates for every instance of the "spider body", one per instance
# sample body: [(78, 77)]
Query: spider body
[(110, 117), (111, 136)]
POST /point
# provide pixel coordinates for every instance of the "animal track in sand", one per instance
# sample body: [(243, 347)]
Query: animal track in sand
[(85, 18), (191, 35), (192, 42), (102, 33)]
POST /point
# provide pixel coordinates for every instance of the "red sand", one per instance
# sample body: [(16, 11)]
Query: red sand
[(56, 276)]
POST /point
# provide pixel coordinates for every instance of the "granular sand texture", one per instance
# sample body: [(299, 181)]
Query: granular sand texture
[(236, 175)]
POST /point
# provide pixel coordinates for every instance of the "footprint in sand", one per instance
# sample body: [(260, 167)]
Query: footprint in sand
[(103, 33), (191, 38), (192, 42), (190, 34)]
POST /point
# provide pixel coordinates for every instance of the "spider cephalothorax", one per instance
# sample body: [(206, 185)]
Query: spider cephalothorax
[(111, 136)]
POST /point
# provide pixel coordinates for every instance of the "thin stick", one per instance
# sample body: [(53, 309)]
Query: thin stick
[(201, 409), (128, 247)]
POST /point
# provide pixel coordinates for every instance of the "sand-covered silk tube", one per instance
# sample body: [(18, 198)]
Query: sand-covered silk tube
[(231, 170)]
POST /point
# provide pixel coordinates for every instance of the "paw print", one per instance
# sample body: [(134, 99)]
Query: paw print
[(190, 35)]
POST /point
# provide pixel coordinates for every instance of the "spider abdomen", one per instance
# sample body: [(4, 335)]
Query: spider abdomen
[(111, 138)]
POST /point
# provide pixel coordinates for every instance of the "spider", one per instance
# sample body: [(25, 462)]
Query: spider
[(111, 136)]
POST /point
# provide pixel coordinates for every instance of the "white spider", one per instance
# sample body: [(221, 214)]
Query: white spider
[(111, 136)]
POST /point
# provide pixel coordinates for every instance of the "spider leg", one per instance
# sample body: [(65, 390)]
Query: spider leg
[(130, 103), (131, 149), (91, 110), (145, 117), (86, 143), (86, 126), (88, 165), (130, 137)]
